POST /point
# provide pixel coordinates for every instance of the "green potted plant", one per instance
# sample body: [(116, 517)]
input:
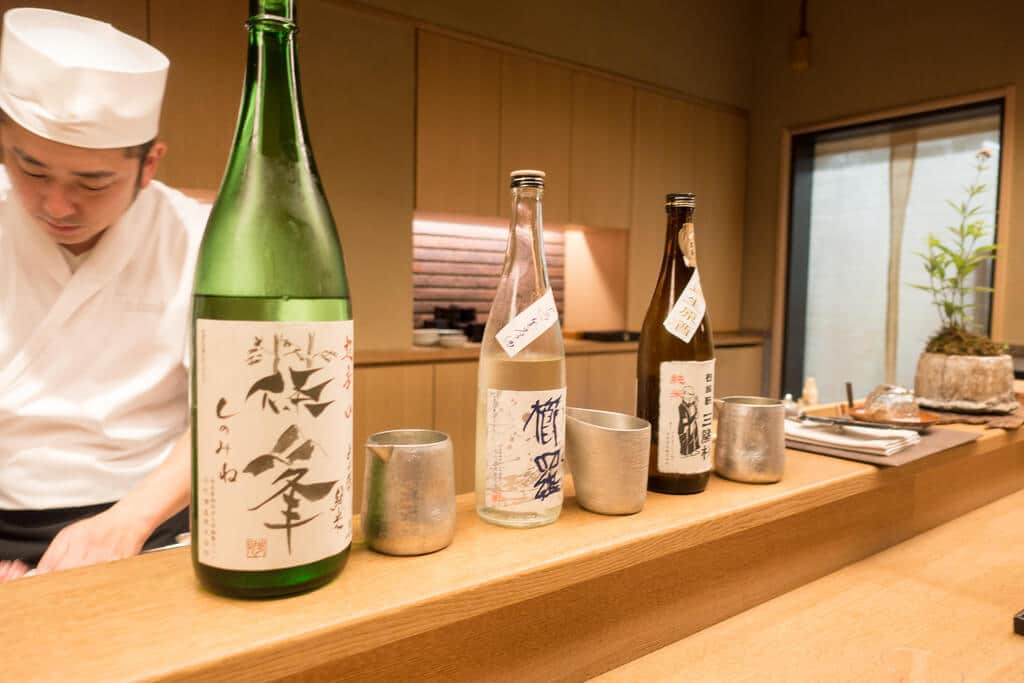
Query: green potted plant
[(960, 369)]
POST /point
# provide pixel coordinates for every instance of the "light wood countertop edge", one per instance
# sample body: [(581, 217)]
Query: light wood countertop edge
[(315, 624)]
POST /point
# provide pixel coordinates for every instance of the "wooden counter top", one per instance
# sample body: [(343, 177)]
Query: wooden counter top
[(573, 347), (938, 606), (454, 611)]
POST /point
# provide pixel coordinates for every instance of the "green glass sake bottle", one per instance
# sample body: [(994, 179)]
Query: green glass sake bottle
[(272, 359)]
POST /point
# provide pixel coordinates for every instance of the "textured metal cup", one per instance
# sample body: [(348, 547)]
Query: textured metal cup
[(608, 454), (751, 443), (409, 492)]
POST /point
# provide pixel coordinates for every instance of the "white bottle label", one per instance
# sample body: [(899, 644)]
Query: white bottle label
[(688, 311), (686, 391), (525, 449), (532, 321), (273, 442)]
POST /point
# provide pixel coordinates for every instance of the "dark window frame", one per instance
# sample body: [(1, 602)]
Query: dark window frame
[(794, 339)]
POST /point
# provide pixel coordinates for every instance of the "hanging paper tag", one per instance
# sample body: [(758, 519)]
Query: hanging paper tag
[(532, 321), (688, 311), (688, 245)]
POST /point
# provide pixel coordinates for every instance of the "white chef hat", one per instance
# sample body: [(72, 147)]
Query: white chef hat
[(78, 81)]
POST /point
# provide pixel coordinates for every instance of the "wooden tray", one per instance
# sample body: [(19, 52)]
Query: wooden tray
[(923, 421)]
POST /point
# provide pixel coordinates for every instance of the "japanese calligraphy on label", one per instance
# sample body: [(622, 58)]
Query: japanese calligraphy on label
[(273, 442), (532, 321), (525, 449), (685, 410), (688, 311)]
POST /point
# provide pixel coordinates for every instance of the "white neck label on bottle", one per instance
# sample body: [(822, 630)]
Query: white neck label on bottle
[(688, 311), (532, 321)]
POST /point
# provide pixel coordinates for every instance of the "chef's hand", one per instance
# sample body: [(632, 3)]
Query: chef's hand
[(12, 569), (113, 534)]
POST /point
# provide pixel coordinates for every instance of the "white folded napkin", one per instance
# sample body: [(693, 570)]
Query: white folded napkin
[(858, 439)]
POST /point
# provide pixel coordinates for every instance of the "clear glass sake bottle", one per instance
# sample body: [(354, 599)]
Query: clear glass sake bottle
[(272, 358), (520, 426), (676, 362)]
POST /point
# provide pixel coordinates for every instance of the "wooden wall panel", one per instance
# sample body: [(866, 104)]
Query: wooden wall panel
[(595, 279), (457, 126), (613, 382), (536, 123), (455, 413), (720, 175), (128, 16), (602, 142), (388, 397), (204, 85), (720, 236), (663, 162), (577, 381), (738, 371)]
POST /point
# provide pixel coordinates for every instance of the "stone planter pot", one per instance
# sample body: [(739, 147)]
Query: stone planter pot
[(973, 384)]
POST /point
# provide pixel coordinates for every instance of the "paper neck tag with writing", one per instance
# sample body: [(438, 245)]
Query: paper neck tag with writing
[(532, 321), (688, 311), (688, 245)]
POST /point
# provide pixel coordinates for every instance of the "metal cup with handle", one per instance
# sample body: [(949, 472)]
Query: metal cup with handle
[(751, 442), (409, 492)]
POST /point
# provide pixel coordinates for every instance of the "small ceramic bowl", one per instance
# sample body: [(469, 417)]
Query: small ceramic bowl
[(425, 337), (453, 341)]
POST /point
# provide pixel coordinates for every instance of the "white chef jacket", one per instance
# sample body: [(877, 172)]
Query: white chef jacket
[(93, 381)]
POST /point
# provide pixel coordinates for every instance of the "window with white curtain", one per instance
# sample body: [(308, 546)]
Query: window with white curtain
[(864, 200)]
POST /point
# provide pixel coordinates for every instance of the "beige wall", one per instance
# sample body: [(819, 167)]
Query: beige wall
[(700, 47), (868, 56)]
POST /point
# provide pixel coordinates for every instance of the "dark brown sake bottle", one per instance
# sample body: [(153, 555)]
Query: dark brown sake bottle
[(676, 363)]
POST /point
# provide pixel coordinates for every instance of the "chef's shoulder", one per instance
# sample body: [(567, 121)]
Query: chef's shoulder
[(181, 219)]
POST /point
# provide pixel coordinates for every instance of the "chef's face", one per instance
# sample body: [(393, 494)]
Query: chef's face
[(74, 193)]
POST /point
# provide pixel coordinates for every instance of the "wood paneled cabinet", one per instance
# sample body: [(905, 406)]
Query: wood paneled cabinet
[(483, 113), (738, 371), (388, 397), (602, 152), (720, 157), (602, 381), (663, 145), (458, 114), (536, 124), (455, 399), (684, 147)]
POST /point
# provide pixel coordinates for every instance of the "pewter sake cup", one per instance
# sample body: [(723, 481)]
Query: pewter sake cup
[(409, 492), (751, 443), (608, 455)]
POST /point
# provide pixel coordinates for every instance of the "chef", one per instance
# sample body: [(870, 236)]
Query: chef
[(96, 263)]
